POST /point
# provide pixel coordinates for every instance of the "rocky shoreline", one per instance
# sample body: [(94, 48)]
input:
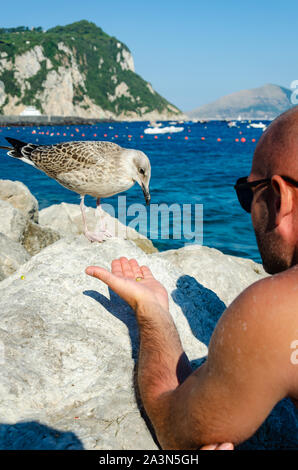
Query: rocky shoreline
[(68, 345), (16, 121)]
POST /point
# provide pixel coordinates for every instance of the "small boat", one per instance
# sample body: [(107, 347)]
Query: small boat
[(258, 125), (232, 124), (163, 130)]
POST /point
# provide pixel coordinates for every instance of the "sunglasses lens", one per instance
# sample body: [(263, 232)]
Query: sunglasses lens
[(245, 197)]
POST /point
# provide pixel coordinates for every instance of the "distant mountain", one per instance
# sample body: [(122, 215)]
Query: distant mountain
[(265, 102), (74, 70)]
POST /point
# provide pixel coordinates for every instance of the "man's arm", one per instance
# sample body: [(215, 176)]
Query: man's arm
[(229, 396)]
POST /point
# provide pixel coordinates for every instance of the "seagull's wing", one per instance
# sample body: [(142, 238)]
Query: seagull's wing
[(71, 156)]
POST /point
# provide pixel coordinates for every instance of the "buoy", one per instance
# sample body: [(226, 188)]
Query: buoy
[(253, 140), (236, 140), (129, 136), (169, 137), (202, 138), (186, 138), (105, 135), (83, 135), (141, 136), (218, 139), (116, 135), (155, 137), (94, 135), (243, 139)]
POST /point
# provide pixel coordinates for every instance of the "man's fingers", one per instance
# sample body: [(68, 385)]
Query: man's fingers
[(146, 272), (126, 268), (117, 268), (225, 446), (209, 447), (103, 275), (135, 268)]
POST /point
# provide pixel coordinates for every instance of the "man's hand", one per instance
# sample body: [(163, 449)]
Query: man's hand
[(123, 281)]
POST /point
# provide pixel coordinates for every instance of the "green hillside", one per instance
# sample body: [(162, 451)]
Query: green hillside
[(90, 46)]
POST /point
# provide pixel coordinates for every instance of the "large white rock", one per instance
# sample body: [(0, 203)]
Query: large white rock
[(12, 221), (69, 347), (12, 256), (19, 196), (226, 275)]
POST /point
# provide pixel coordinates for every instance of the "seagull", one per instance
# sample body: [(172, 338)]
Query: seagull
[(99, 169)]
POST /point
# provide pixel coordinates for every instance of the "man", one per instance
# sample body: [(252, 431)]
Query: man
[(250, 364)]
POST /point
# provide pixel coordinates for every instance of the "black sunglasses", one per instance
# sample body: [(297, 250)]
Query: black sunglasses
[(245, 193)]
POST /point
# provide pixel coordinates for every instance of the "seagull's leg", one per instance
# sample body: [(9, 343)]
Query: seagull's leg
[(93, 237), (100, 228)]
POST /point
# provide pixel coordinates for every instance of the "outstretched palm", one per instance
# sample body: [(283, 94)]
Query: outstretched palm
[(122, 280)]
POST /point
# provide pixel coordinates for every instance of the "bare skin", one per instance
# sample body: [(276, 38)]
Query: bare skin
[(249, 368)]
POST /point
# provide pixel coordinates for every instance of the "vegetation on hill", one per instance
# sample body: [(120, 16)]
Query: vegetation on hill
[(97, 56)]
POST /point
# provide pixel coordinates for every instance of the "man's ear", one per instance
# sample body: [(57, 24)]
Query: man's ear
[(283, 198)]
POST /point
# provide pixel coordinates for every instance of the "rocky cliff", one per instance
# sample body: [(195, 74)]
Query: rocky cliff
[(76, 70), (68, 345)]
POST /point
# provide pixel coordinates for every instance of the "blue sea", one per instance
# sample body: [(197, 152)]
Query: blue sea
[(190, 167)]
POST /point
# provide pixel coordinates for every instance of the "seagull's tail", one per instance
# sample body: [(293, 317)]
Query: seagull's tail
[(19, 149)]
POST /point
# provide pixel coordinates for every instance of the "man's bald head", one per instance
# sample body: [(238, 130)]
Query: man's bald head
[(277, 149), (274, 208)]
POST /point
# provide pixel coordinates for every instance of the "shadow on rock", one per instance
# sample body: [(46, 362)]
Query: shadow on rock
[(31, 435), (201, 307), (121, 310)]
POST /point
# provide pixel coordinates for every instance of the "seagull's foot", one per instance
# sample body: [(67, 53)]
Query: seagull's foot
[(98, 236)]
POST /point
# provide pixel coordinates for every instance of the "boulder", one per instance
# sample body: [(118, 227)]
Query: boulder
[(19, 196), (68, 348), (66, 219), (226, 275), (35, 237), (12, 255), (12, 221), (70, 345)]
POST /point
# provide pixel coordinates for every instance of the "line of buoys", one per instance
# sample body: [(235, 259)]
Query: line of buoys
[(130, 136)]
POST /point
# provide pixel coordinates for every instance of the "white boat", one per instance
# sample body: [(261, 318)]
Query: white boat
[(163, 130), (232, 124), (258, 125)]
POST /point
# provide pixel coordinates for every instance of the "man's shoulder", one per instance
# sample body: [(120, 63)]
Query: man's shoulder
[(275, 294), (265, 315)]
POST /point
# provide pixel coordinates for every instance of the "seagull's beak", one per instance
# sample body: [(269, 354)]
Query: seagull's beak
[(146, 194)]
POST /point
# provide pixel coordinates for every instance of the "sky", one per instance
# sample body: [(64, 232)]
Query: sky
[(191, 51)]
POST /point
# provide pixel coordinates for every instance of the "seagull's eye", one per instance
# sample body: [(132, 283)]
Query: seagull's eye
[(142, 171)]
